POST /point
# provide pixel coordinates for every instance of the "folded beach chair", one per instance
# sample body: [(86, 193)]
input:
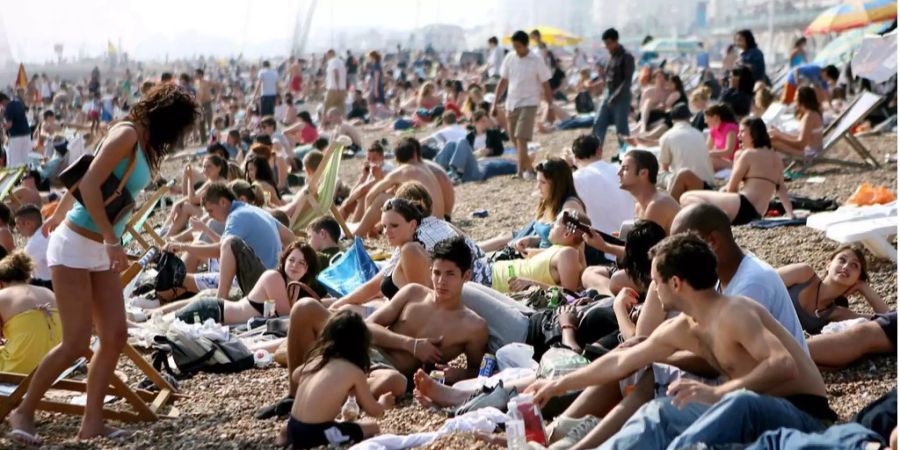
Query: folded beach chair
[(145, 405), (320, 203), (874, 234), (8, 179), (138, 223), (772, 116), (839, 129)]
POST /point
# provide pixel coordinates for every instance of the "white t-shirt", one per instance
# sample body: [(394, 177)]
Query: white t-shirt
[(36, 249), (526, 75), (268, 78), (759, 281), (683, 147), (336, 64), (495, 60), (606, 204), (451, 133)]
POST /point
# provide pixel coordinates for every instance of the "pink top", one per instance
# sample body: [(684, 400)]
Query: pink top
[(308, 134), (720, 137)]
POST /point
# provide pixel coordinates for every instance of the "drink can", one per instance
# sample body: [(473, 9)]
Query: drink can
[(269, 308), (438, 375), (512, 271), (488, 365)]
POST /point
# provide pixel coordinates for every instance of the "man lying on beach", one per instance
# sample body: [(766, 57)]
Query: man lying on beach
[(771, 381), (420, 327)]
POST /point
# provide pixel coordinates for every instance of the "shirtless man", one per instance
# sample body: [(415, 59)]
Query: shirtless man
[(204, 89), (419, 326), (770, 383), (410, 168), (637, 175)]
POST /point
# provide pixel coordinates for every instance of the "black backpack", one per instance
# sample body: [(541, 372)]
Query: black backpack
[(584, 103), (192, 355)]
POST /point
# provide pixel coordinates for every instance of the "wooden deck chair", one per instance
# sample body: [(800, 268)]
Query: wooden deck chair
[(145, 405), (138, 223), (839, 129), (8, 179), (321, 202)]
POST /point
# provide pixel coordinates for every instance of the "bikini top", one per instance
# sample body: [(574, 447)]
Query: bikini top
[(777, 185)]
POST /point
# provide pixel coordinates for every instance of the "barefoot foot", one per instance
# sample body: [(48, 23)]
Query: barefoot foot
[(439, 394)]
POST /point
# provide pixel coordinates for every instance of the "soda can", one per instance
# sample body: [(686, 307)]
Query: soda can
[(438, 375), (269, 308), (488, 365)]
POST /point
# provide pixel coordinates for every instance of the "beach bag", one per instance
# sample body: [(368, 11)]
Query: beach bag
[(117, 201), (199, 354), (348, 270), (170, 272)]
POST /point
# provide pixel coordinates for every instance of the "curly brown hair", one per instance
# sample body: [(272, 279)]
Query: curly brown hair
[(168, 113)]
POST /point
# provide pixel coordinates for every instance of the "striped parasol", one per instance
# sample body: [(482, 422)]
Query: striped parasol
[(840, 50), (852, 14), (21, 78)]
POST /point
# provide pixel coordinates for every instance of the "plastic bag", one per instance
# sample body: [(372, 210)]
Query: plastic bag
[(867, 194), (557, 362), (352, 269), (516, 355)]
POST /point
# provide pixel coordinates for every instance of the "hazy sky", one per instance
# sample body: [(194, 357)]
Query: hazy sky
[(144, 27)]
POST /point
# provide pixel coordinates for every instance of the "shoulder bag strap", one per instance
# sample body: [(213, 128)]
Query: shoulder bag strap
[(132, 160)]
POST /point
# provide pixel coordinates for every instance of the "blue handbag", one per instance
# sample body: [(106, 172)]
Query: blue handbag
[(350, 270)]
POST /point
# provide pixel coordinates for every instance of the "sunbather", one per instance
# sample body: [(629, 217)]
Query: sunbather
[(808, 140), (840, 349), (758, 173), (635, 262), (31, 324), (295, 277), (819, 301), (214, 169)]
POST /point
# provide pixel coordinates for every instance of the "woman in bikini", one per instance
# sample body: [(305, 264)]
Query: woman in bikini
[(820, 301), (757, 175), (295, 278), (214, 169), (808, 142)]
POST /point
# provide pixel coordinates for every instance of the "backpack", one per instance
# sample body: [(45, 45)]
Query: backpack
[(584, 103), (199, 354)]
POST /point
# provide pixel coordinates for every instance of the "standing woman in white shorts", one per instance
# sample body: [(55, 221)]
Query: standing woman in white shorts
[(85, 256)]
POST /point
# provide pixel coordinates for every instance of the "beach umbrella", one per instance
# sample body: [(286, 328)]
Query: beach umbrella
[(852, 14), (672, 46), (876, 59), (552, 36), (21, 78), (840, 50)]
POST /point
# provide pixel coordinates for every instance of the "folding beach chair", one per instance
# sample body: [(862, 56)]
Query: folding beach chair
[(138, 223), (321, 202), (870, 225), (145, 405), (839, 129), (8, 179)]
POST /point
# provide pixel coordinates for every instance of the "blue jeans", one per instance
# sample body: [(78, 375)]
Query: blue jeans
[(613, 113), (459, 157), (849, 436), (739, 417)]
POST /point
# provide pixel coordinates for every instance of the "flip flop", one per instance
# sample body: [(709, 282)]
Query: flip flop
[(23, 437)]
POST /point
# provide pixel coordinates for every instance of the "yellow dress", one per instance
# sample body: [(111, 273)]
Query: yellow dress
[(536, 268), (29, 336)]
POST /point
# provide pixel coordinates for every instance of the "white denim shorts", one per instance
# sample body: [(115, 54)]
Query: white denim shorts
[(70, 249)]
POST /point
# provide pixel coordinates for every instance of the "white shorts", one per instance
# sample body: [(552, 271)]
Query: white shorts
[(70, 249), (17, 151)]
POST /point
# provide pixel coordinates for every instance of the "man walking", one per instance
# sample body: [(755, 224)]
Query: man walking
[(617, 102), (335, 83), (527, 77)]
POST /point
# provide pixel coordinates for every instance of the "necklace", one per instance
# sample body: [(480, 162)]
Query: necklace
[(816, 310)]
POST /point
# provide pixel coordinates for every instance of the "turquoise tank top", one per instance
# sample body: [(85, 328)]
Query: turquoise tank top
[(139, 179)]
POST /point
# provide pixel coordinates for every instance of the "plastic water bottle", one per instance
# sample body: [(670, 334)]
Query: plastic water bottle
[(515, 428), (350, 410)]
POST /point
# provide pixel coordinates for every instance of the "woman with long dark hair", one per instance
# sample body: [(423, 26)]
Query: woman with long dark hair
[(751, 55), (758, 174), (85, 255), (808, 141), (258, 171), (739, 94)]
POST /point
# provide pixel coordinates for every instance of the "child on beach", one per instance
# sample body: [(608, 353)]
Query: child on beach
[(336, 368)]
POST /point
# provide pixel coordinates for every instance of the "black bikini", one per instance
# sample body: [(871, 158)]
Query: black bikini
[(311, 435), (388, 288), (747, 212)]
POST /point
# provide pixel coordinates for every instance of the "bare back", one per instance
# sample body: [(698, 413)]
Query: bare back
[(661, 209), (326, 390), (422, 173), (762, 173), (23, 297)]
